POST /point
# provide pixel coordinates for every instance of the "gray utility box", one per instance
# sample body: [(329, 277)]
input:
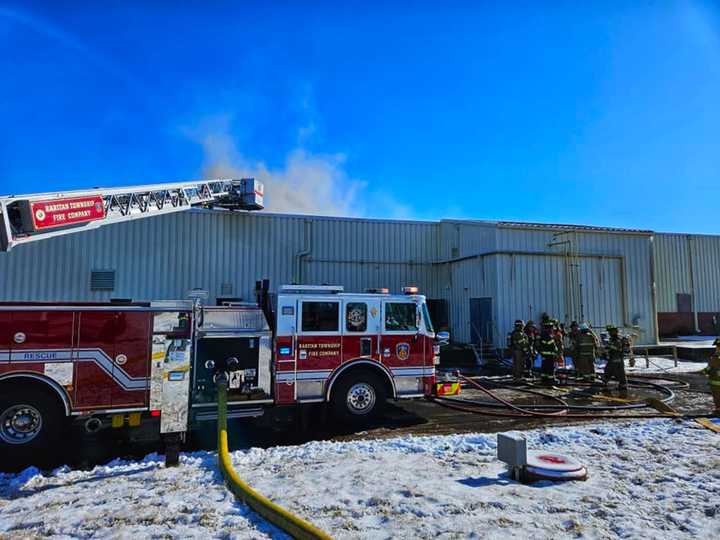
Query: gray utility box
[(512, 449)]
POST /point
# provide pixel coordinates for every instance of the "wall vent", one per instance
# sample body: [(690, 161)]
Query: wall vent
[(102, 280)]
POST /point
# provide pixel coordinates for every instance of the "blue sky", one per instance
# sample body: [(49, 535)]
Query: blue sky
[(604, 113)]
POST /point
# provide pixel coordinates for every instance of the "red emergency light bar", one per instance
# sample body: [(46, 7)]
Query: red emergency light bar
[(410, 290)]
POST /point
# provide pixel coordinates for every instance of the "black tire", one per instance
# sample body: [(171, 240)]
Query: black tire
[(358, 397), (31, 423)]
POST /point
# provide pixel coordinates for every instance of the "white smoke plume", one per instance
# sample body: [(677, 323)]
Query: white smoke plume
[(305, 184)]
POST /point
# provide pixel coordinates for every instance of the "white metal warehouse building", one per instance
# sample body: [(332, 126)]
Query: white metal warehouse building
[(480, 275)]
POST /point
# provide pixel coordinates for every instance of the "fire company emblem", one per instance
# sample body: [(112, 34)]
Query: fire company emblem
[(402, 351), (356, 318)]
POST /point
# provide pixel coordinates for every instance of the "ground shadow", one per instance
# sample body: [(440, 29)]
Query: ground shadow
[(503, 479)]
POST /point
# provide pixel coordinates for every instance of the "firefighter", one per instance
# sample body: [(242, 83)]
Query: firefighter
[(559, 335), (546, 346), (573, 337), (713, 373), (520, 349), (585, 351), (532, 333), (615, 367)]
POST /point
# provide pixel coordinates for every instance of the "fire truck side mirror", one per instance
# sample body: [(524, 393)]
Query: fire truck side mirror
[(443, 336)]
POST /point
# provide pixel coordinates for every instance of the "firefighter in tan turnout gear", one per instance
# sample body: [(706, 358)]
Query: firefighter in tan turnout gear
[(615, 367), (585, 346), (520, 349)]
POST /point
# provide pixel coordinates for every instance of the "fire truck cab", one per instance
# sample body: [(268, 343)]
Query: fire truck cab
[(352, 350), (122, 365)]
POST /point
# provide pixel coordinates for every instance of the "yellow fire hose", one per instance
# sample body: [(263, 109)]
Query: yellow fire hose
[(275, 514)]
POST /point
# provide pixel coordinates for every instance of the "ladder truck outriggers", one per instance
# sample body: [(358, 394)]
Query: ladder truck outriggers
[(152, 365)]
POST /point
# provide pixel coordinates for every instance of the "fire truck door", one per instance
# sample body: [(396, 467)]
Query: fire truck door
[(41, 341), (112, 359), (131, 364), (401, 346), (361, 329), (4, 336), (94, 354), (319, 345)]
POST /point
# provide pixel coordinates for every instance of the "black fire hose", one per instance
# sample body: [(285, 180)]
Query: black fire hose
[(526, 412), (668, 397), (515, 407), (448, 402)]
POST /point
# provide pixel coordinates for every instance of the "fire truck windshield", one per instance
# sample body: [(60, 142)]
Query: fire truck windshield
[(426, 317)]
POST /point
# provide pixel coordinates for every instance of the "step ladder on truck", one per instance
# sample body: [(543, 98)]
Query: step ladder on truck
[(152, 366)]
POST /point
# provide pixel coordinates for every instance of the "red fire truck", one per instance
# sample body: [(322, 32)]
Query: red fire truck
[(130, 365), (121, 365)]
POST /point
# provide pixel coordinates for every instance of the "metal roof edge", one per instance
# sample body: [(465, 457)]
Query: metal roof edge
[(315, 216), (488, 223)]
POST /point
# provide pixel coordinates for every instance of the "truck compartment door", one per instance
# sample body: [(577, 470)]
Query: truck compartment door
[(131, 363), (41, 342), (93, 355)]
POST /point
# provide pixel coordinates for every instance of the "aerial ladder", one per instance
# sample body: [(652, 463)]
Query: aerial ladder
[(28, 218)]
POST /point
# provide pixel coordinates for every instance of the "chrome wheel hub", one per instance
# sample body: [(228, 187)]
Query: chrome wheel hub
[(361, 398), (20, 424)]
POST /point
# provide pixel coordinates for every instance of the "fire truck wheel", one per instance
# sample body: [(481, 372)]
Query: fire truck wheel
[(30, 425), (358, 397)]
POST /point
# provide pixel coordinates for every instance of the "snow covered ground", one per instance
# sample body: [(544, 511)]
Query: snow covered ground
[(659, 364), (652, 479)]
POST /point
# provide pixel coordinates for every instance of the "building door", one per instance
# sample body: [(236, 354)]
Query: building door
[(481, 320)]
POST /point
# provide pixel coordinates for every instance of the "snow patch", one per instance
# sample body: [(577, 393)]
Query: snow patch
[(657, 479)]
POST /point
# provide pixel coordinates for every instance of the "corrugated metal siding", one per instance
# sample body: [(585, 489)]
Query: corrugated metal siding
[(472, 278), (706, 269), (675, 256), (533, 285), (360, 254), (604, 283), (672, 269), (165, 257), (462, 239)]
